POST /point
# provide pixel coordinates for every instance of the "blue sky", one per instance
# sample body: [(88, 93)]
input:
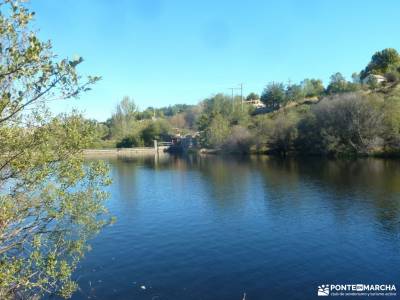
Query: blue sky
[(163, 52)]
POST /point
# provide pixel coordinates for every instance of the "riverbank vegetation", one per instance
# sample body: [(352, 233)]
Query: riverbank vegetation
[(51, 201), (360, 116)]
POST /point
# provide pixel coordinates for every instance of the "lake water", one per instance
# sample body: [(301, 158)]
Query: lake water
[(216, 228)]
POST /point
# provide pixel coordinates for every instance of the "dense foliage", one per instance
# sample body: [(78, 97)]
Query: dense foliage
[(385, 62), (347, 117), (351, 123), (51, 202)]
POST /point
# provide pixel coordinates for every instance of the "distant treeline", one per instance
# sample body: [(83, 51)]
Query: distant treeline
[(357, 117)]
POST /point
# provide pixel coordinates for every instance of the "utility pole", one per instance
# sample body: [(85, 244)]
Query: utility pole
[(241, 94), (233, 102)]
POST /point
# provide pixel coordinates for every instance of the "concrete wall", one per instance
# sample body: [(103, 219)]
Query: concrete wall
[(138, 151)]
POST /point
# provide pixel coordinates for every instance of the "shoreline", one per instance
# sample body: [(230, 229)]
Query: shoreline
[(151, 151), (139, 151)]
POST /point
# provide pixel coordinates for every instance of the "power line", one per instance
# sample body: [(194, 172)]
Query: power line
[(233, 102)]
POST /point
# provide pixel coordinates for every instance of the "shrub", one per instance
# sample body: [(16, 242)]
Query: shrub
[(392, 77), (279, 133), (155, 130), (129, 142), (239, 140), (349, 124)]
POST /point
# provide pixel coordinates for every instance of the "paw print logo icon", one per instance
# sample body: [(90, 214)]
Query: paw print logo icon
[(323, 290)]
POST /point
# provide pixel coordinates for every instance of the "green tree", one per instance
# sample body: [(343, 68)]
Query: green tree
[(127, 108), (51, 202), (220, 109), (382, 62), (218, 132), (101, 133), (339, 84), (294, 92), (123, 120), (273, 95), (217, 105), (313, 87), (191, 117), (155, 130), (173, 110), (252, 96), (148, 113)]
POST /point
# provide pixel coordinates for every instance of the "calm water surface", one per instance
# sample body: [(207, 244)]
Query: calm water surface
[(216, 228)]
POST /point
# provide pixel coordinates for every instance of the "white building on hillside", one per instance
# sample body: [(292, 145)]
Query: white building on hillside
[(378, 78), (255, 102)]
